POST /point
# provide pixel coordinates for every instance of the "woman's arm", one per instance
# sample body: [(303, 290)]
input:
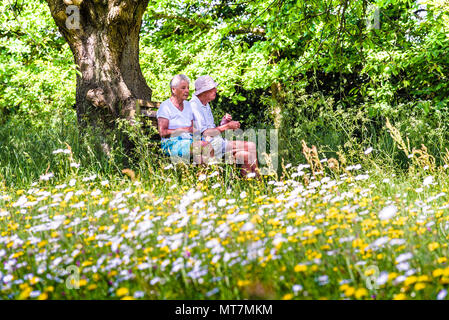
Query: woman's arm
[(164, 132)]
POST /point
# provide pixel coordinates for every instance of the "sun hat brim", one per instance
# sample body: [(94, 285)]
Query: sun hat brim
[(206, 86)]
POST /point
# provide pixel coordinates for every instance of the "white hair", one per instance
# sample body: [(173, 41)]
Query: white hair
[(178, 79)]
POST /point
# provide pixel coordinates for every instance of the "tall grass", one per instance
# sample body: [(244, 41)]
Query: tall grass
[(26, 149), (348, 130)]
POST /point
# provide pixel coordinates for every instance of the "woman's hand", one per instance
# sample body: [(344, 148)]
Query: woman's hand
[(180, 131), (187, 129)]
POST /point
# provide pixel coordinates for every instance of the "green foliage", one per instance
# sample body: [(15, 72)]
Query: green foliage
[(37, 74)]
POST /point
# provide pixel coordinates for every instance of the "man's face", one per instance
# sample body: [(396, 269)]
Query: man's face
[(210, 95), (181, 91)]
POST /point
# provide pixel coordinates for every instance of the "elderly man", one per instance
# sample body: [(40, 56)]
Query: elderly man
[(244, 152)]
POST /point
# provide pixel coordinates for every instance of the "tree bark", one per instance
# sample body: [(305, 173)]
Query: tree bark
[(278, 99), (104, 40)]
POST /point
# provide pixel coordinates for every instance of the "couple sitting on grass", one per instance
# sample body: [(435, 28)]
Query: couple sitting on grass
[(180, 120)]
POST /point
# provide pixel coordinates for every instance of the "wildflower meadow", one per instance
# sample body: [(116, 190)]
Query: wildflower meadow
[(189, 233)]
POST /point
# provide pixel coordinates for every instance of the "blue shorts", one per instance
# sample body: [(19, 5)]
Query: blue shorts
[(177, 146)]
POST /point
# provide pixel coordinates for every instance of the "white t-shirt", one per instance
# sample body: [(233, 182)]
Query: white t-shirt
[(203, 118), (176, 119)]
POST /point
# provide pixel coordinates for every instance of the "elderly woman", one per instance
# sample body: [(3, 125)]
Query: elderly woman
[(175, 124)]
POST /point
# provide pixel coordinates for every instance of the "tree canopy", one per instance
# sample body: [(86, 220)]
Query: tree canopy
[(325, 45), (331, 47)]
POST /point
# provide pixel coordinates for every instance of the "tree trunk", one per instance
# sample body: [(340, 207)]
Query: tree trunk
[(278, 99), (104, 38)]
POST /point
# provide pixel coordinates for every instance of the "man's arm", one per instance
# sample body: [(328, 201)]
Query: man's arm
[(197, 119), (217, 130), (201, 123)]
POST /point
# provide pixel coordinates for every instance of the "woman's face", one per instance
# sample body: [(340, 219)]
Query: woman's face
[(181, 92)]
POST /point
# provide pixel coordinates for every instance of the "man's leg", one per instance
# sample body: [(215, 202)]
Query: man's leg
[(245, 153)]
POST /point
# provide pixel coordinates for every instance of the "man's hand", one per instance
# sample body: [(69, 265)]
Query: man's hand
[(226, 118), (233, 125)]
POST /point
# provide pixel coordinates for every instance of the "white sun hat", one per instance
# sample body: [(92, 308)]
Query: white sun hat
[(203, 84)]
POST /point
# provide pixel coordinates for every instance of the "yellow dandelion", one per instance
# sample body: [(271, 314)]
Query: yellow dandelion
[(43, 296), (288, 296), (86, 263), (243, 283), (400, 296), (433, 246), (444, 280), (370, 271), (343, 287), (446, 272), (42, 243), (122, 292), (437, 273), (349, 291), (442, 260), (361, 292), (410, 280), (300, 268), (93, 286), (423, 278), (419, 286), (25, 293)]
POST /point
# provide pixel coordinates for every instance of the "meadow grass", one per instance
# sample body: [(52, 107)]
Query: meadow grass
[(74, 226)]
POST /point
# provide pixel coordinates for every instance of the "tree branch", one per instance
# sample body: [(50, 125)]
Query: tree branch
[(192, 22), (255, 31), (195, 23)]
